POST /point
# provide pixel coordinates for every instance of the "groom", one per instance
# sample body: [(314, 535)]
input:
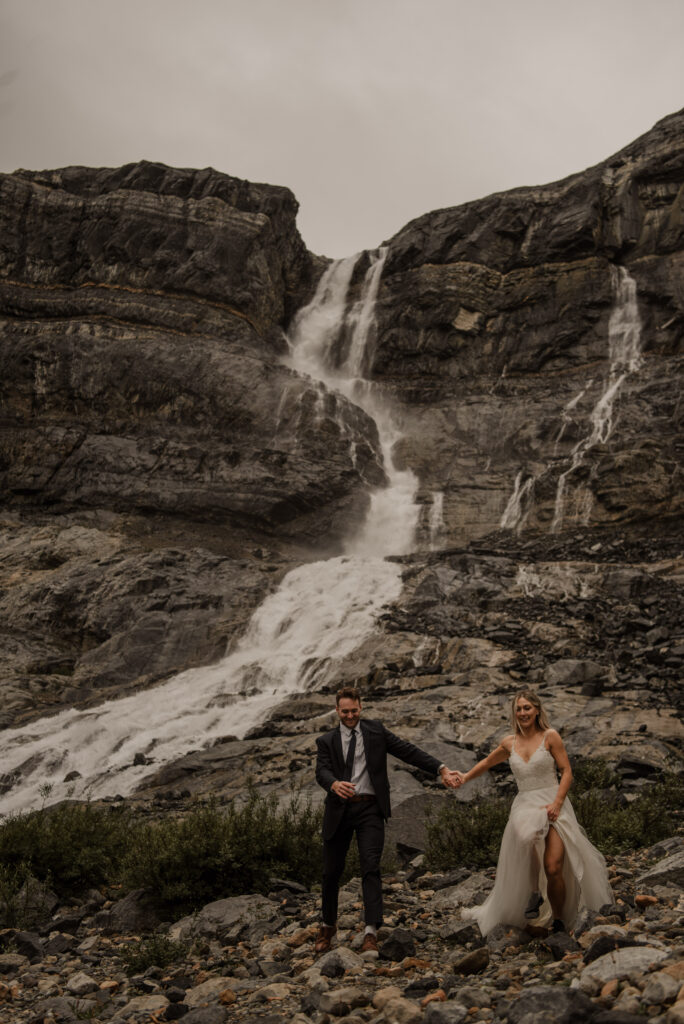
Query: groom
[(351, 766)]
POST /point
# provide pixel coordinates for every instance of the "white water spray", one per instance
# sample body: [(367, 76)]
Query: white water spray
[(514, 517), (624, 351), (436, 520), (320, 613)]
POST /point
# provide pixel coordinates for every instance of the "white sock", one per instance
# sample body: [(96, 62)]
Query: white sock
[(370, 930)]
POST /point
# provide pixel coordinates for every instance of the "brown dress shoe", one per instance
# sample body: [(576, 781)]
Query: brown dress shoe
[(370, 942), (324, 938)]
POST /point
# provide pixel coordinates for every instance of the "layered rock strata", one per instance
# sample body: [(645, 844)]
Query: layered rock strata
[(494, 322), (151, 441)]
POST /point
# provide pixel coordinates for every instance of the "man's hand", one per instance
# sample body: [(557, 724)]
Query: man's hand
[(447, 777), (343, 789)]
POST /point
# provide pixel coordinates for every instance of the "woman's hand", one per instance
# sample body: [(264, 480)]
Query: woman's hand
[(553, 810), (457, 778)]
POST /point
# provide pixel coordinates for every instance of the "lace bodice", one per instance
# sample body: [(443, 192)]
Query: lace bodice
[(537, 773)]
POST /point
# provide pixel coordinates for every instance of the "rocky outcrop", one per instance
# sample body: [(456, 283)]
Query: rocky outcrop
[(151, 440), (494, 323), (162, 468), (143, 320)]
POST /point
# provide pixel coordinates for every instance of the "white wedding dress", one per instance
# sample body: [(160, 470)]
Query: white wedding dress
[(584, 868)]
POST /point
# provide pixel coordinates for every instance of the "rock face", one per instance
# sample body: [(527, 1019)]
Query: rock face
[(143, 315), (162, 469), (151, 439), (494, 323)]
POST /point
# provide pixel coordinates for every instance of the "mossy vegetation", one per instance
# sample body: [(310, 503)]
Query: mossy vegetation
[(211, 853), (183, 862), (155, 951)]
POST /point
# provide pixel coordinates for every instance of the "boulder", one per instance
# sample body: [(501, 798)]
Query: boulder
[(224, 918), (542, 1004)]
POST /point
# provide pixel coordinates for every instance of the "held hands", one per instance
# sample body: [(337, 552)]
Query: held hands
[(451, 779)]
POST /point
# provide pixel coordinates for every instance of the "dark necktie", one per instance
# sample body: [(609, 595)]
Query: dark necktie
[(349, 763)]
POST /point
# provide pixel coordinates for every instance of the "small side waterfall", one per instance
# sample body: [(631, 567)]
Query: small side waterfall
[(320, 613), (519, 504), (437, 520), (624, 352)]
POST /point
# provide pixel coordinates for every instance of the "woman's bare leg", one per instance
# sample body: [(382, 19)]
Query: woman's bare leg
[(554, 856), (534, 870)]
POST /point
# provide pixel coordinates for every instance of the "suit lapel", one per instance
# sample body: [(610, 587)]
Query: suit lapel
[(365, 736)]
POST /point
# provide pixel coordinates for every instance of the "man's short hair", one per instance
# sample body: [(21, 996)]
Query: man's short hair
[(347, 693)]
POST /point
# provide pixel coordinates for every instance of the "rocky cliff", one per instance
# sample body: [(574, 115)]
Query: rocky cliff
[(162, 468), (494, 324), (151, 441)]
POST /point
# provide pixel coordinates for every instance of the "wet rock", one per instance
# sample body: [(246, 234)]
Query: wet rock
[(669, 871), (461, 932), (337, 961), (624, 963), (12, 963), (206, 1015), (471, 963), (133, 913), (660, 988), (445, 1013), (559, 945), (572, 672), (606, 943), (402, 1011), (225, 918), (547, 1005), (147, 1004), (29, 944), (399, 944), (80, 984), (58, 943), (341, 1001)]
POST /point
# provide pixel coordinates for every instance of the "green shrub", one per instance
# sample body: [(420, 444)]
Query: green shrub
[(592, 773), (18, 905), (156, 951), (466, 834), (213, 853), (616, 826), (73, 846)]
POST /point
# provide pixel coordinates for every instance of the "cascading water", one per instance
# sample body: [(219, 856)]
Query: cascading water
[(624, 351), (513, 517), (624, 354), (436, 523), (320, 613)]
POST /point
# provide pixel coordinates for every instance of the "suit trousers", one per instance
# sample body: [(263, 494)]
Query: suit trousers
[(365, 819)]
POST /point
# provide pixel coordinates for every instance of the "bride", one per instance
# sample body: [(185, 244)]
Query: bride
[(547, 867)]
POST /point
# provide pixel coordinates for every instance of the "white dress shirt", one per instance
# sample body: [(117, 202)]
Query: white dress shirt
[(359, 776)]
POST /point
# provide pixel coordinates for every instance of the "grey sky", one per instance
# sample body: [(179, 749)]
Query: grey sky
[(371, 111)]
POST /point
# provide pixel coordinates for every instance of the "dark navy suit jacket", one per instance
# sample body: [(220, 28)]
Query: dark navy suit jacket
[(378, 743)]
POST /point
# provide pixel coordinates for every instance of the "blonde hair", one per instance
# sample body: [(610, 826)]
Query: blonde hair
[(542, 721)]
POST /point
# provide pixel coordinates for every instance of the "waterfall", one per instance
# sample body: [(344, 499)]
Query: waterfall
[(624, 352), (436, 523), (513, 517), (320, 613)]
